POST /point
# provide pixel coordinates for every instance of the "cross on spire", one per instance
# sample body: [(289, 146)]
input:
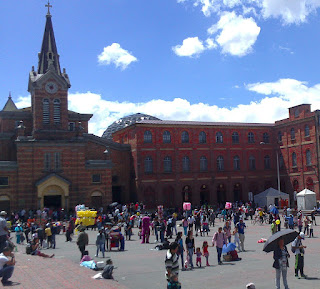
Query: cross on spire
[(49, 6)]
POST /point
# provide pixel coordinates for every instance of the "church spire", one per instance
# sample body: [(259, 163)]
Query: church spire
[(48, 57)]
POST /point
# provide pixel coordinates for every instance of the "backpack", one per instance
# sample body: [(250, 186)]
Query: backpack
[(28, 249)]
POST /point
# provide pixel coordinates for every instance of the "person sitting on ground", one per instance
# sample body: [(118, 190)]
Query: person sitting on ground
[(35, 248), (108, 270), (6, 266)]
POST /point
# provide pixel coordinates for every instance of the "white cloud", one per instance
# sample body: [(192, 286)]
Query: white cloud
[(191, 46), (275, 99), (237, 34), (208, 6), (290, 11), (116, 55)]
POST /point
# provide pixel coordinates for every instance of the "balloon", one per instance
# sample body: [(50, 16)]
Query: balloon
[(277, 222)]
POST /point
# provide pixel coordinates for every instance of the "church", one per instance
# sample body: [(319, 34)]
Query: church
[(47, 156)]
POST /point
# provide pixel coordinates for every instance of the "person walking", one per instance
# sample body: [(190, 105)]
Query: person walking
[(190, 247), (181, 249), (241, 225), (219, 238), (4, 231), (298, 250), (171, 261), (82, 241), (280, 256), (185, 226), (100, 243)]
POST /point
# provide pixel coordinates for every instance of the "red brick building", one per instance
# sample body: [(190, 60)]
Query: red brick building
[(47, 157), (206, 162)]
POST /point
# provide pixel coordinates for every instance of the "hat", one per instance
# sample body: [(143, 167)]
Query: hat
[(3, 213), (250, 286), (301, 235)]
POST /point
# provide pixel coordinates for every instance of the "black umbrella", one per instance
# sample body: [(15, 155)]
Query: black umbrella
[(114, 204), (288, 236)]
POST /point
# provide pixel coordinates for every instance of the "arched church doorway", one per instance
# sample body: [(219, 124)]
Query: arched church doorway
[(204, 195), (186, 194), (221, 194), (237, 192)]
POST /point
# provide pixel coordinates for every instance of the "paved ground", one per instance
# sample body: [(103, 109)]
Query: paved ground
[(141, 267)]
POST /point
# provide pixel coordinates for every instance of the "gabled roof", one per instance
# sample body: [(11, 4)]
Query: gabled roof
[(271, 192), (305, 192)]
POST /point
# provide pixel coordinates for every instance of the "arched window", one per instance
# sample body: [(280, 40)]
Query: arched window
[(56, 111), (292, 134), (167, 165), (166, 137), (252, 163), (219, 137), (202, 137), (185, 164), (148, 165), (235, 138), (308, 158), (147, 136), (294, 159), (203, 164), (220, 163), (46, 111), (306, 131), (266, 137), (185, 137), (267, 162), (250, 137), (236, 163), (281, 161), (279, 136)]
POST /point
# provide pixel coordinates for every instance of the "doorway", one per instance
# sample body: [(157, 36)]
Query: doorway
[(52, 201)]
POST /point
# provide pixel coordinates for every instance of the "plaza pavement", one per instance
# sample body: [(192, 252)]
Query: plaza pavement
[(140, 267)]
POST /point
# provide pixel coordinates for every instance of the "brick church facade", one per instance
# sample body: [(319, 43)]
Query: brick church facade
[(47, 157), (206, 162)]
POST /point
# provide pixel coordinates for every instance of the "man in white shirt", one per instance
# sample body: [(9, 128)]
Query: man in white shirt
[(298, 249), (7, 262)]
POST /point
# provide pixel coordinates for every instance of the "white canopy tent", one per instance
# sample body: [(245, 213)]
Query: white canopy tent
[(269, 197), (306, 200)]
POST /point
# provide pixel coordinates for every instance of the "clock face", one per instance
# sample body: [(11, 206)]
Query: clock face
[(51, 87)]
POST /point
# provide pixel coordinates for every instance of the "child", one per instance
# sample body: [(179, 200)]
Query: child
[(236, 237), (199, 254), (310, 229), (108, 270), (174, 283), (205, 252)]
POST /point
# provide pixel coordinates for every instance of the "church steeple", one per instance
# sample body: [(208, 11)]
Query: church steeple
[(48, 57)]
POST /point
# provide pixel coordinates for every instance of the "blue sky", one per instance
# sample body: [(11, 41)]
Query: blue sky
[(214, 60)]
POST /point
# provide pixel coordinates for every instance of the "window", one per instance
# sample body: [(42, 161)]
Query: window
[(292, 134), (4, 181), (220, 163), (148, 165), (250, 137), (294, 160), (57, 161), (147, 136), (266, 137), (279, 136), (252, 163), (219, 137), (267, 162), (185, 137), (308, 158), (46, 111), (296, 113), (235, 138), (202, 137), (71, 126), (306, 131), (186, 164), (166, 137), (203, 164), (56, 111), (167, 165), (281, 161), (96, 178), (47, 163), (236, 163)]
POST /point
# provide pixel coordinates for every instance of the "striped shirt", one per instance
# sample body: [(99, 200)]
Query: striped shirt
[(171, 264)]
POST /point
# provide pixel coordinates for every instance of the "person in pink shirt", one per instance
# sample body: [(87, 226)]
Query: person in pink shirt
[(219, 239)]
